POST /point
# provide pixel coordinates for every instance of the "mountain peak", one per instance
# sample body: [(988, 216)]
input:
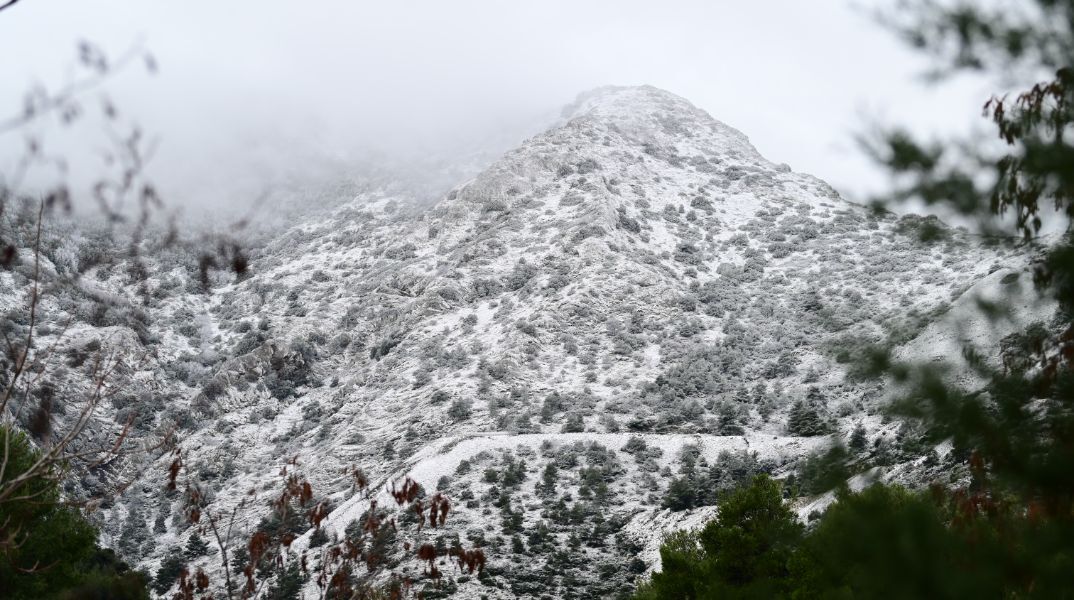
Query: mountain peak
[(622, 152), (647, 110), (631, 287), (620, 98)]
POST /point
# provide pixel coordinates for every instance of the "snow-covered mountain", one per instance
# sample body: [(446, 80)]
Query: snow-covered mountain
[(635, 297)]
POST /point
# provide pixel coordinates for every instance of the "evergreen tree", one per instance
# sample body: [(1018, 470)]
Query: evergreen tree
[(195, 547), (680, 494), (288, 584), (240, 556), (318, 538), (173, 564), (749, 543), (804, 420), (1013, 437), (160, 523), (1009, 533), (107, 577), (743, 553), (886, 542), (728, 422), (857, 438), (549, 477), (47, 548), (134, 531)]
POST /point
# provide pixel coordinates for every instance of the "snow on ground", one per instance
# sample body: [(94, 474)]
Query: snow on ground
[(443, 457)]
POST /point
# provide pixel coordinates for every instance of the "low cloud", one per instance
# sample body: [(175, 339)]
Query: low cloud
[(253, 93)]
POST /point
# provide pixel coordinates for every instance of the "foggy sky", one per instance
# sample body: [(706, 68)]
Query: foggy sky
[(249, 90)]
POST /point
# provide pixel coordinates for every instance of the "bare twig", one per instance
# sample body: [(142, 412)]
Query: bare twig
[(48, 103)]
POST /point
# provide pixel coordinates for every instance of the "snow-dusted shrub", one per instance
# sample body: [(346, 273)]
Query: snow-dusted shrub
[(553, 404), (340, 342), (498, 370), (695, 374), (784, 365), (701, 203), (213, 388), (452, 359), (690, 327), (520, 275), (422, 376), (460, 409), (485, 288), (385, 345), (587, 165), (573, 424)]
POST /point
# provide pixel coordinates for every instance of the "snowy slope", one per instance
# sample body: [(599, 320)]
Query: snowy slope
[(636, 272)]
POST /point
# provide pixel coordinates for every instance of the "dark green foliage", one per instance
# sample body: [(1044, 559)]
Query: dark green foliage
[(52, 550), (887, 542), (240, 557), (460, 409), (520, 274), (1009, 532), (290, 518), (823, 471), (693, 375), (574, 424), (680, 495), (318, 538), (173, 564), (160, 523), (729, 420), (195, 547), (744, 553), (107, 577), (749, 543), (549, 477), (381, 349), (883, 542), (514, 472), (288, 584), (552, 405), (857, 438), (702, 485), (805, 420), (290, 370), (134, 532)]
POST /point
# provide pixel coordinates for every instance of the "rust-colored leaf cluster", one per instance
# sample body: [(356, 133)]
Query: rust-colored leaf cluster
[(193, 586), (358, 478), (427, 553), (354, 566), (470, 560), (407, 493), (438, 507), (318, 514)]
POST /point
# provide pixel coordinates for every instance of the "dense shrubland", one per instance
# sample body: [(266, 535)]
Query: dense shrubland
[(994, 448), (589, 283)]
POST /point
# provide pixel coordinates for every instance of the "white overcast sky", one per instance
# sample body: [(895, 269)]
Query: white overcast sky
[(245, 85)]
